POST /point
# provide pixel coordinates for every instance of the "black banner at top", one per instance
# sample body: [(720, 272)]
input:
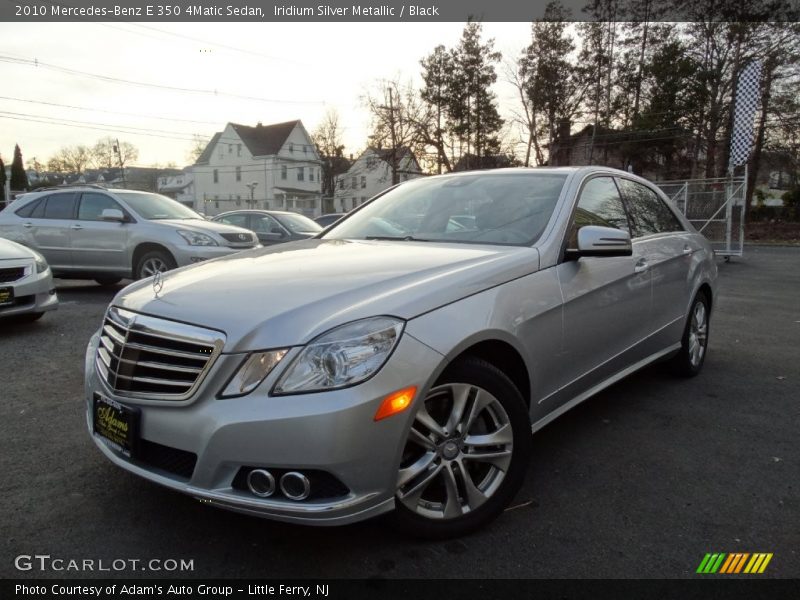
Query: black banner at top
[(392, 10)]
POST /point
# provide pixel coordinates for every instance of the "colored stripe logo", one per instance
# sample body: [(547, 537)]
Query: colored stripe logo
[(734, 563)]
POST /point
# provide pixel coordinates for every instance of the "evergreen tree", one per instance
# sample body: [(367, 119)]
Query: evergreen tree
[(437, 69), (19, 179), (2, 182), (473, 106)]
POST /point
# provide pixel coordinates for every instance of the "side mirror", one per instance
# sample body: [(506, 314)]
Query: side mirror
[(113, 214), (603, 241)]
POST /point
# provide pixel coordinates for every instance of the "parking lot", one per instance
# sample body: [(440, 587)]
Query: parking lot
[(640, 481)]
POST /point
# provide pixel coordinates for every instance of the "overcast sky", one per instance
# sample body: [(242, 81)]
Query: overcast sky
[(290, 70)]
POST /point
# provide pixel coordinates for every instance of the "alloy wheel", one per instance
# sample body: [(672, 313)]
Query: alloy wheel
[(153, 265), (698, 334), (457, 453)]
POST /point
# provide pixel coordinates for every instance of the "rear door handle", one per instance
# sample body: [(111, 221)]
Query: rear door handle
[(687, 250), (641, 266), (76, 227)]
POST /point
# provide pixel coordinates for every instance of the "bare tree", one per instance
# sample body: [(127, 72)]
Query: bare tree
[(70, 159), (327, 138), (109, 152)]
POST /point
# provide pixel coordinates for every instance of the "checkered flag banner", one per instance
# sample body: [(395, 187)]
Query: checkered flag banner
[(748, 93)]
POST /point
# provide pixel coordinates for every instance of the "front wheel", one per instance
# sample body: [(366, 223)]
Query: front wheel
[(466, 454), (690, 358), (156, 261)]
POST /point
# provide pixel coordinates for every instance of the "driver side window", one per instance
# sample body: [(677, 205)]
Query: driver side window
[(599, 204), (264, 224)]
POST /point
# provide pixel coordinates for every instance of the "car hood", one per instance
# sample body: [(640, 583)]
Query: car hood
[(285, 295), (12, 250), (201, 226)]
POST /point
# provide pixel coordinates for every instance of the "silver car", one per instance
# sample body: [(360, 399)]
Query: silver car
[(91, 232), (364, 371), (26, 283)]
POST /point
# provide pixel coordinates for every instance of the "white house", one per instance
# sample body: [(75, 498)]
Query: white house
[(370, 174), (267, 166), (180, 187)]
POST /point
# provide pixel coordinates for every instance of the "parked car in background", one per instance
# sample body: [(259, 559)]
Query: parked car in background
[(329, 219), (271, 226), (363, 372), (90, 232), (26, 283)]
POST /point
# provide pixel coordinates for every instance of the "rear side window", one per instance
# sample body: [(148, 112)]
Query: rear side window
[(650, 214), (60, 206), (237, 220), (93, 204), (26, 212)]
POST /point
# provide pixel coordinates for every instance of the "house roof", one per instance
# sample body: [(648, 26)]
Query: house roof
[(265, 140), (206, 155)]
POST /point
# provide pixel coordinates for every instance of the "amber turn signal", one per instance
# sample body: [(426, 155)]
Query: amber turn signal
[(396, 402)]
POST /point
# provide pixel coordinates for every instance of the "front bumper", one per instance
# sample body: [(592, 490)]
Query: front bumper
[(34, 293), (189, 255), (332, 432)]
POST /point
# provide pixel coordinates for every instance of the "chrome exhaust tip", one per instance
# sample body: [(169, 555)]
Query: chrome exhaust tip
[(261, 483), (295, 486)]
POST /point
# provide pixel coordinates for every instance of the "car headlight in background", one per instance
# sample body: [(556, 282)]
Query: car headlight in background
[(194, 238), (344, 356), (252, 372)]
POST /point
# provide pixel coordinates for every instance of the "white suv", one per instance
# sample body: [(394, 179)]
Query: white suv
[(90, 232)]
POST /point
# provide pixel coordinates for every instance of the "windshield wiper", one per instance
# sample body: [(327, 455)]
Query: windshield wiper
[(395, 238)]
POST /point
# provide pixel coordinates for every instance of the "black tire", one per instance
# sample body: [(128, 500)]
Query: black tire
[(687, 363), (461, 379), (108, 280), (151, 258)]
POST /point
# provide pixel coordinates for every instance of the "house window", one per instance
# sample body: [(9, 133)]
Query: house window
[(363, 181), (291, 147), (216, 176), (230, 148), (238, 173), (301, 173), (221, 152), (405, 176), (238, 149), (305, 149), (354, 183), (283, 171), (341, 183), (310, 174), (363, 199)]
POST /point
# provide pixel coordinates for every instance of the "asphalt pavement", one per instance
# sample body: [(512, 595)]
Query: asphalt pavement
[(640, 481)]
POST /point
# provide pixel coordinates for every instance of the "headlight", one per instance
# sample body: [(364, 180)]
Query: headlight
[(342, 357), (252, 372), (194, 238), (41, 264)]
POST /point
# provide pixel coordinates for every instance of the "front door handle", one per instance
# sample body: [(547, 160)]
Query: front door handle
[(76, 227), (641, 266), (27, 225), (687, 250)]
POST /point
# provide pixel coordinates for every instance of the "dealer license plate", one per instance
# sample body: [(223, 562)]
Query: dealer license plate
[(117, 424), (6, 296)]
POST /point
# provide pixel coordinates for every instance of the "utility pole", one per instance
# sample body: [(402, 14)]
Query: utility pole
[(118, 150)]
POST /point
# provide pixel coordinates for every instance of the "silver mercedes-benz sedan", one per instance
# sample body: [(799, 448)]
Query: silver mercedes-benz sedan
[(399, 360)]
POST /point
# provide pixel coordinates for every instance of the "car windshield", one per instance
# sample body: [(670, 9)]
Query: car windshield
[(299, 223), (480, 208), (154, 207)]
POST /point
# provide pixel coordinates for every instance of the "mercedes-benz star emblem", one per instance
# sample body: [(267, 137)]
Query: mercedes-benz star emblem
[(158, 282)]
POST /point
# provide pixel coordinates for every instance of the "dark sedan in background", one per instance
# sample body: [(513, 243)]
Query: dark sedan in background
[(271, 226)]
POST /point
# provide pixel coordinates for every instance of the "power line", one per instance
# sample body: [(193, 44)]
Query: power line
[(97, 127), (116, 80), (111, 112)]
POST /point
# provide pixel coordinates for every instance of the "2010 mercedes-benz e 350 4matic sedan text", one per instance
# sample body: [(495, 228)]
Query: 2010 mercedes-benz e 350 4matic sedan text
[(399, 360)]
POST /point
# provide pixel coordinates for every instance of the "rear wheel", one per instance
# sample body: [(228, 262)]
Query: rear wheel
[(466, 453), (689, 360), (155, 261)]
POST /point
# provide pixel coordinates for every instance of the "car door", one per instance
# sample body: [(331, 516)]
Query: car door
[(667, 249), (606, 299), (49, 228), (97, 245)]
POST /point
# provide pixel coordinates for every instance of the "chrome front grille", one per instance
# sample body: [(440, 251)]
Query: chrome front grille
[(146, 357), (239, 239)]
